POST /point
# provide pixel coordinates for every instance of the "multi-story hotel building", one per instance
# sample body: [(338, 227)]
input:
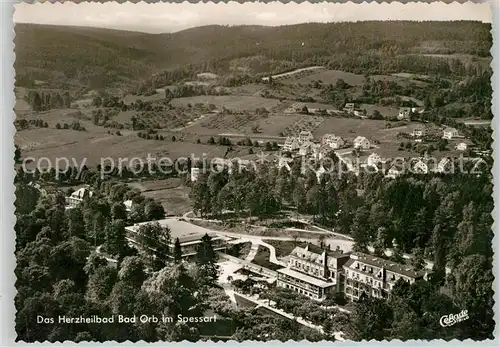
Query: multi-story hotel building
[(313, 271), (376, 276)]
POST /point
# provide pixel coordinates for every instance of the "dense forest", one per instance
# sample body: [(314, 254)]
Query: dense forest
[(60, 272), (99, 57), (443, 218)]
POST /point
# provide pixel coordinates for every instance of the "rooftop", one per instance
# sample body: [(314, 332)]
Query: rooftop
[(186, 232), (306, 278), (401, 269)]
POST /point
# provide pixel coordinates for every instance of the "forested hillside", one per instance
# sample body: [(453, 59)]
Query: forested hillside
[(82, 56)]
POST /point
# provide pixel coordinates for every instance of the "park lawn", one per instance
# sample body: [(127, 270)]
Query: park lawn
[(284, 248), (262, 259)]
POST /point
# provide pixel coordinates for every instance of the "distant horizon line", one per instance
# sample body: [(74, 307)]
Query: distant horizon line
[(252, 25)]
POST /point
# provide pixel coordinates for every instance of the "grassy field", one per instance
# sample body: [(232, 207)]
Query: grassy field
[(386, 111), (350, 127), (171, 193), (328, 77), (262, 259), (231, 102), (96, 145), (129, 98)]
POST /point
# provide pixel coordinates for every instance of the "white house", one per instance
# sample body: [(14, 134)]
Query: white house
[(284, 163), (332, 141), (349, 107), (77, 196), (320, 172), (128, 206), (291, 144), (321, 151), (373, 159), (361, 142), (305, 136), (450, 133), (404, 113), (418, 131), (462, 146), (307, 148), (393, 172), (420, 167), (195, 173), (443, 165)]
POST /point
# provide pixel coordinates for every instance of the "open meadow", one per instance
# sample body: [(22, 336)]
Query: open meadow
[(171, 193)]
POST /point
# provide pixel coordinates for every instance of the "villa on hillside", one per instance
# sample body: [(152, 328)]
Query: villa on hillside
[(349, 107), (77, 197), (450, 133), (313, 271), (284, 163), (418, 131), (393, 172), (291, 144), (444, 165), (361, 142), (128, 206), (404, 113), (319, 173), (335, 142), (373, 159), (308, 148), (462, 146), (305, 137), (375, 276), (195, 173), (420, 167)]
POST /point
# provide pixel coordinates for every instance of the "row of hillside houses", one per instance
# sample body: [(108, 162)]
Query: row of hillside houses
[(237, 164), (448, 133), (305, 145), (316, 272), (421, 166)]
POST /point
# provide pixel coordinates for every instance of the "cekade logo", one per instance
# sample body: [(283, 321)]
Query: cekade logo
[(451, 319)]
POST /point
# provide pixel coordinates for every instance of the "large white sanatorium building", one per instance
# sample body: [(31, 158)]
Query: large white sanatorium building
[(313, 271)]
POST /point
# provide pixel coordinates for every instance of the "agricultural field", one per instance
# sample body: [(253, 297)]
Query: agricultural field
[(252, 89), (240, 124), (230, 102), (305, 123)]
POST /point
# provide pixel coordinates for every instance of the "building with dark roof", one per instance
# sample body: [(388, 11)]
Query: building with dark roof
[(313, 271), (375, 276)]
